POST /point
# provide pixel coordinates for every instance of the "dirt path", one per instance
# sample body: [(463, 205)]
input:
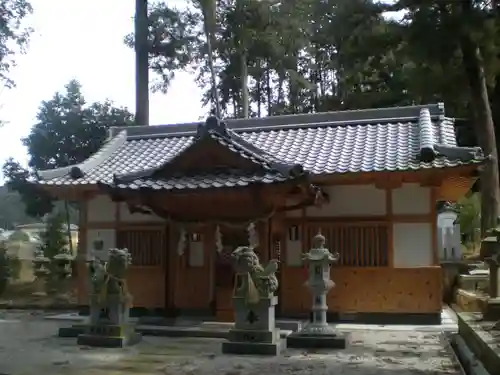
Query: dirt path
[(28, 346)]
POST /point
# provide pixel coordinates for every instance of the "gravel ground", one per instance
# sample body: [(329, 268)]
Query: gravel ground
[(28, 346)]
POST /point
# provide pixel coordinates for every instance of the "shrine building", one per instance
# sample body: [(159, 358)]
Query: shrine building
[(182, 197)]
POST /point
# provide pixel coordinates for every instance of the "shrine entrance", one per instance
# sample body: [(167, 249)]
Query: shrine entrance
[(224, 271)]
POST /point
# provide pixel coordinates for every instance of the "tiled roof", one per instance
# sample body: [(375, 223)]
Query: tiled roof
[(389, 139), (205, 181)]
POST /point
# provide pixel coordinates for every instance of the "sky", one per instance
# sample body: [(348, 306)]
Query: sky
[(84, 40)]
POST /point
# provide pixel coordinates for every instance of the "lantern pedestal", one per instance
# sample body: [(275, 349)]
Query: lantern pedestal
[(318, 333), (317, 337), (255, 329)]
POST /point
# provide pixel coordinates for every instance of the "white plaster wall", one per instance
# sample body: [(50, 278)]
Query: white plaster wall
[(349, 200), (102, 209), (108, 238), (126, 216), (412, 245), (411, 199)]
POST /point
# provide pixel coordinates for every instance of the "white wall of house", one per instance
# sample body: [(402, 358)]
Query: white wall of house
[(412, 241), (102, 210)]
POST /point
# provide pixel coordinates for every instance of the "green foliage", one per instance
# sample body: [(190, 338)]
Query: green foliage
[(54, 240), (14, 36), (469, 215), (325, 55), (14, 267), (67, 131), (5, 271)]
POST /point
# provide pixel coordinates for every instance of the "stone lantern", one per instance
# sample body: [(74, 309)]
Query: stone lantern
[(41, 273), (318, 333), (63, 275)]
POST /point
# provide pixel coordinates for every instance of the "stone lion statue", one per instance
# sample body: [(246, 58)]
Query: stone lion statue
[(256, 281)]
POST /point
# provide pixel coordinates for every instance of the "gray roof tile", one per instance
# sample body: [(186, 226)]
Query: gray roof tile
[(206, 181), (326, 143)]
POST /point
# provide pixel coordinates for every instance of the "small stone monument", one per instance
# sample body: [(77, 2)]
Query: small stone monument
[(254, 304), (41, 273), (110, 302), (318, 333)]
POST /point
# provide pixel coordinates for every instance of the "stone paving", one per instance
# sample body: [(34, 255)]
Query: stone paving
[(28, 346)]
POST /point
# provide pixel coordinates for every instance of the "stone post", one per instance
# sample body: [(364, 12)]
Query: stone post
[(318, 333), (493, 265), (63, 277), (254, 302), (41, 273)]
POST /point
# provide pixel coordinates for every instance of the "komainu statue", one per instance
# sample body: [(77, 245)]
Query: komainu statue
[(110, 303), (253, 280), (110, 298)]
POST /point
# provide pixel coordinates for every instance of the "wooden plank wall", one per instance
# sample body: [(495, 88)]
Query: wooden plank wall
[(365, 281), (146, 276)]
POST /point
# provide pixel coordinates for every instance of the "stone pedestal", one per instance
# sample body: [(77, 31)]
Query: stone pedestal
[(255, 329), (318, 333), (109, 336), (108, 325)]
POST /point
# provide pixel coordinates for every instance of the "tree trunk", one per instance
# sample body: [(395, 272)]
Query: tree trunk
[(141, 63), (68, 227), (269, 90), (483, 123), (244, 84), (208, 10)]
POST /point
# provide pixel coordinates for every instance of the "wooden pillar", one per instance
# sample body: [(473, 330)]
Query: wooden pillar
[(433, 220), (81, 266), (390, 227)]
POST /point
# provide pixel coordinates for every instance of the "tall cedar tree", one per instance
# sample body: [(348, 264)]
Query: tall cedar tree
[(312, 56)]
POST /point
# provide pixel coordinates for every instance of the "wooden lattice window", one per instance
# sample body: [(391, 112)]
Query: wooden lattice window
[(359, 245), (147, 247)]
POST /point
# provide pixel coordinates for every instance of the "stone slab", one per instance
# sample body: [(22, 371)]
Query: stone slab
[(107, 341), (481, 339), (254, 348), (301, 341), (73, 331)]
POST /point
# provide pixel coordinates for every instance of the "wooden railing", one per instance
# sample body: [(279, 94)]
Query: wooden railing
[(358, 244), (147, 247)]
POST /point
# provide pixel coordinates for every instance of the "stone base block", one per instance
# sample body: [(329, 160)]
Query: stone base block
[(307, 341), (258, 336), (254, 348), (73, 331), (109, 336), (109, 341)]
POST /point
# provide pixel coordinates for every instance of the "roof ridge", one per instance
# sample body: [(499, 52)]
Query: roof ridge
[(358, 116)]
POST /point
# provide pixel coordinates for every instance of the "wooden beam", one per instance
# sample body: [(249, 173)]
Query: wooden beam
[(365, 178), (361, 220)]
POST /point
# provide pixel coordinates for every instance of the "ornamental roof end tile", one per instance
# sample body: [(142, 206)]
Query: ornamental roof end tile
[(371, 140)]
